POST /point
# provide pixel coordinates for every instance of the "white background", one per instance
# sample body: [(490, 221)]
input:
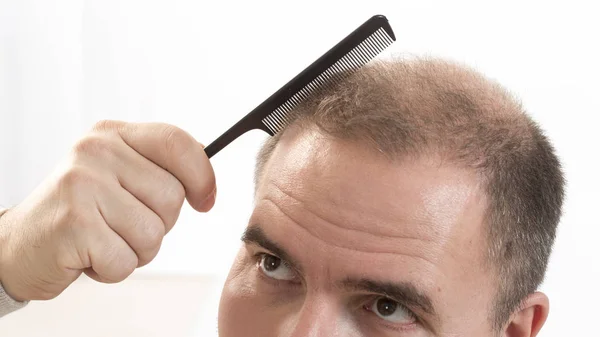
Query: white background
[(202, 65)]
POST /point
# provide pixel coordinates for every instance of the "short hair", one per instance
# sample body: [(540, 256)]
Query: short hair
[(414, 106)]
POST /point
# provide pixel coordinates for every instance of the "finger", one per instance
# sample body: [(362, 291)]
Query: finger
[(134, 222), (177, 152), (94, 276), (158, 189), (110, 256), (155, 187)]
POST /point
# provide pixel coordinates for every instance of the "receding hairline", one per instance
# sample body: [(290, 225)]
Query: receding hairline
[(403, 107), (454, 80)]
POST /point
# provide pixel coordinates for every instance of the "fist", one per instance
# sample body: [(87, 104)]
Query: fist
[(105, 210)]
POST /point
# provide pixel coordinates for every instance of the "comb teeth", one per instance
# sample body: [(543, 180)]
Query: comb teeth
[(349, 63)]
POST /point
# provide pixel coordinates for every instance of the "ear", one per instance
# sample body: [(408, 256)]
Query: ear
[(530, 318)]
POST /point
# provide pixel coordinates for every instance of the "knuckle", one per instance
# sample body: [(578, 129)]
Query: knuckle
[(94, 145), (128, 267), (169, 200), (147, 257), (173, 196), (153, 236), (124, 264), (76, 188), (107, 125), (177, 141), (154, 233), (76, 177)]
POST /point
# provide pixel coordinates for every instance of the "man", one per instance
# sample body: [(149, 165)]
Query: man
[(415, 198)]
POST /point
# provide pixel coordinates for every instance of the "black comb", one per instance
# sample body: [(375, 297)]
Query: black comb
[(357, 49)]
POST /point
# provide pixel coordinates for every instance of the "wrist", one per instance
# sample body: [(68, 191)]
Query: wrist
[(13, 288), (3, 242)]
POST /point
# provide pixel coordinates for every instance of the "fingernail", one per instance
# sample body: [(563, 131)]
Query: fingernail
[(209, 202)]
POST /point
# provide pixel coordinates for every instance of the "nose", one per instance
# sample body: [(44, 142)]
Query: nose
[(318, 317)]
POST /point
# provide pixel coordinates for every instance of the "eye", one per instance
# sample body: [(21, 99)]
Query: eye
[(391, 311), (275, 268)]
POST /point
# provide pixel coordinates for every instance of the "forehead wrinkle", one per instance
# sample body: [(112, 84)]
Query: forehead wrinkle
[(354, 249), (334, 224)]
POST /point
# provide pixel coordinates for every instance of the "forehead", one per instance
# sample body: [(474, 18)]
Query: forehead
[(344, 205), (360, 185)]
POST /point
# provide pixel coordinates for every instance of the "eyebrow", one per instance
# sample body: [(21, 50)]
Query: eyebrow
[(255, 235), (405, 293)]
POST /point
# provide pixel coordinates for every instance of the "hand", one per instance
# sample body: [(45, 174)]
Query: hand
[(105, 211)]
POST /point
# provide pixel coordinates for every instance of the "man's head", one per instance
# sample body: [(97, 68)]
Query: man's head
[(415, 198)]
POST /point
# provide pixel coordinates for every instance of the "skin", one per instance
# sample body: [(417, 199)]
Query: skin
[(329, 212), (341, 243), (105, 210)]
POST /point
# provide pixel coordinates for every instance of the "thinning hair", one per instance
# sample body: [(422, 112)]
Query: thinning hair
[(415, 106)]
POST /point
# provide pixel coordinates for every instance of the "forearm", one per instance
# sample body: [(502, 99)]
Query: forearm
[(7, 304)]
